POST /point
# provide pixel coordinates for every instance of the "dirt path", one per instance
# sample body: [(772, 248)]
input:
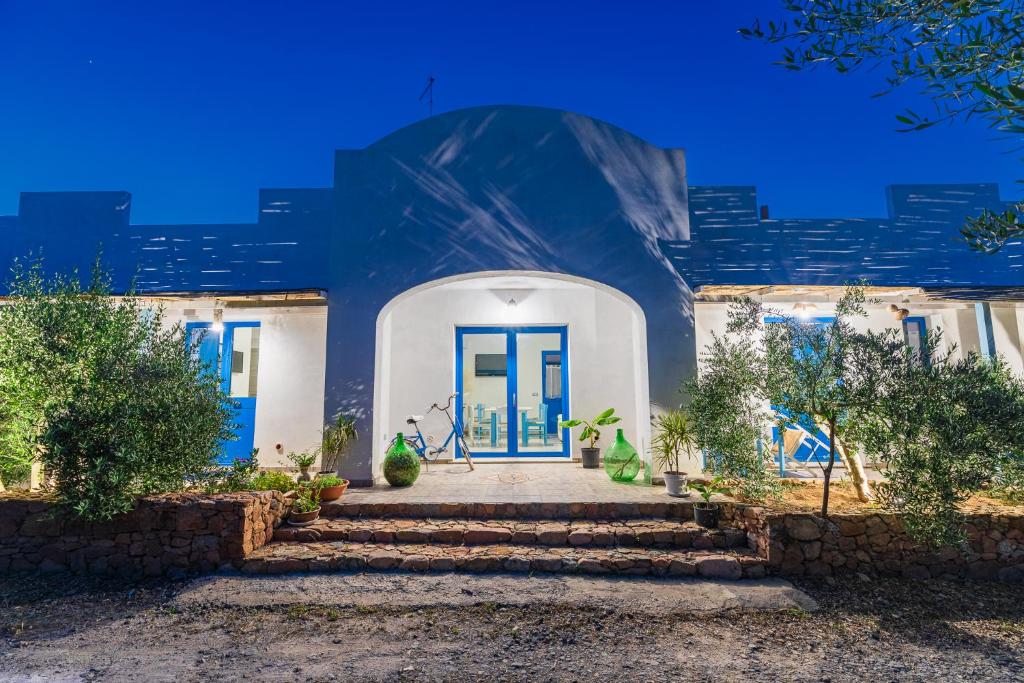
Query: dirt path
[(402, 627)]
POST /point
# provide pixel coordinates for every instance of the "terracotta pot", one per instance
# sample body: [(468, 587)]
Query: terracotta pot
[(329, 493), (303, 517)]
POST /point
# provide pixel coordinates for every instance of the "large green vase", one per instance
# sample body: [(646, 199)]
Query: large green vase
[(621, 461), (401, 464)]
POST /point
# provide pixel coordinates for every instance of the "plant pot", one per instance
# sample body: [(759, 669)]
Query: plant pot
[(591, 458), (303, 518), (304, 474), (329, 493), (675, 484), (706, 515)]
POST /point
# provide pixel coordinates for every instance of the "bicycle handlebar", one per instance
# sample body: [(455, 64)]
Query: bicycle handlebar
[(447, 405)]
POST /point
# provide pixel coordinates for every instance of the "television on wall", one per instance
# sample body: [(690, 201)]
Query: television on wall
[(491, 365)]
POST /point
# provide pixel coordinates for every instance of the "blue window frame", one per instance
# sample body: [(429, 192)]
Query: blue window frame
[(217, 351), (512, 334), (915, 334), (815, 447)]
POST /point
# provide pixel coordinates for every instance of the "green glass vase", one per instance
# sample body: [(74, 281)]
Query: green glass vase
[(401, 464), (621, 461)]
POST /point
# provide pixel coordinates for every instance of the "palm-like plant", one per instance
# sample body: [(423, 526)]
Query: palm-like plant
[(590, 427), (337, 438), (675, 438)]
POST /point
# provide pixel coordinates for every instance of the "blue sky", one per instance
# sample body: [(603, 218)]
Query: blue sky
[(193, 106)]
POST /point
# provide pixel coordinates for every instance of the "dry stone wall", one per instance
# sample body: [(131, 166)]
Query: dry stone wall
[(877, 544), (168, 535)]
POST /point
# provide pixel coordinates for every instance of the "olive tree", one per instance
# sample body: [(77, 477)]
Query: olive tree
[(800, 368), (103, 391), (945, 424), (966, 56), (729, 417)]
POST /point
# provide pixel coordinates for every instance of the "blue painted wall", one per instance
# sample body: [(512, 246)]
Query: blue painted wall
[(918, 243), (286, 248)]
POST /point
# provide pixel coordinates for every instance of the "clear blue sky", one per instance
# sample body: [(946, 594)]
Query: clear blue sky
[(192, 106)]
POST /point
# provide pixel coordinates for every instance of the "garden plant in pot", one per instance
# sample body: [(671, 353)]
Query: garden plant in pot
[(674, 439), (337, 438), (331, 486), (592, 454), (705, 512), (304, 461), (306, 506)]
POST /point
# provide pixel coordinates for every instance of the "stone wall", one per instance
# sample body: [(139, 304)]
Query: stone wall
[(170, 534), (876, 544)]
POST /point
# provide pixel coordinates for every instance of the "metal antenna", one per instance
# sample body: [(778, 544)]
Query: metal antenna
[(428, 92)]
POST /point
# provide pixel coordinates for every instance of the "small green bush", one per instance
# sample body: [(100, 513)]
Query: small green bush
[(273, 481), (327, 480)]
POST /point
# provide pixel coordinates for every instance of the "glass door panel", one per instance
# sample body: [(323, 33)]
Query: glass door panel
[(538, 392), (484, 390)]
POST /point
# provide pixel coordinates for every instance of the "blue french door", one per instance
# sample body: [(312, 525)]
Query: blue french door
[(233, 355), (513, 388)]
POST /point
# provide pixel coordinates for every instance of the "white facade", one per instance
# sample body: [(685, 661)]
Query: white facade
[(415, 360), (290, 371)]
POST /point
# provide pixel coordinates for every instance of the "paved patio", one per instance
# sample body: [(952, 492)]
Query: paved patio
[(511, 483)]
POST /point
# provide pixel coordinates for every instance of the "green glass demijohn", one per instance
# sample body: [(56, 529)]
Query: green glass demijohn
[(401, 464), (621, 461)]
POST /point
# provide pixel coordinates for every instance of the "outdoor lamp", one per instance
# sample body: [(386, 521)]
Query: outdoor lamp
[(218, 320)]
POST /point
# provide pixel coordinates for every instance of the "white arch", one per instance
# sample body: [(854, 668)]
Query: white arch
[(385, 424)]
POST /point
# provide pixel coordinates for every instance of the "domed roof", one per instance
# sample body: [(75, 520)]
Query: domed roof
[(491, 119)]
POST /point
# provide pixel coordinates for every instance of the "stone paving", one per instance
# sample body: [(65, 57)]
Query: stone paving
[(290, 557), (576, 533), (517, 482)]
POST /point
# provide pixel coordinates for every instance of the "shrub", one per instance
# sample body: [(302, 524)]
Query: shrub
[(328, 480), (240, 475), (107, 394), (729, 420), (273, 481)]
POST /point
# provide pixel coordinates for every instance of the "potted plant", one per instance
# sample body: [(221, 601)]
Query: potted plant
[(331, 486), (337, 438), (592, 454), (706, 512), (305, 507), (303, 461), (674, 438)]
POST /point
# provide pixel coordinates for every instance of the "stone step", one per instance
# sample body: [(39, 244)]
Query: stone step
[(295, 557), (572, 533), (350, 506)]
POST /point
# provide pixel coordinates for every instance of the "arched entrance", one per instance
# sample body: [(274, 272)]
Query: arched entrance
[(523, 348)]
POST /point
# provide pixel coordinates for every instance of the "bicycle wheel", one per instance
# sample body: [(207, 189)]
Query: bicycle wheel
[(466, 453)]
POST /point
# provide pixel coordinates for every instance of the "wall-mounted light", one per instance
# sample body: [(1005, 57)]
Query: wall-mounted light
[(803, 310), (511, 302), (218, 320)]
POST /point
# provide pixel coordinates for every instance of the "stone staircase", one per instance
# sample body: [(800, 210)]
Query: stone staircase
[(627, 545)]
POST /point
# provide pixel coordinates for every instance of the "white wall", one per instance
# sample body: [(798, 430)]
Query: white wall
[(290, 383), (416, 351)]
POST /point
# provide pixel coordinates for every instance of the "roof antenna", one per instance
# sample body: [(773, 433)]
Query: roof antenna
[(428, 92)]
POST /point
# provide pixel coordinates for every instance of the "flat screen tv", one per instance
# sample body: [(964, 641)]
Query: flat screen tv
[(491, 365)]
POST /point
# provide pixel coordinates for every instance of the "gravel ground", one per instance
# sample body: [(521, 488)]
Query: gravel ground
[(401, 627)]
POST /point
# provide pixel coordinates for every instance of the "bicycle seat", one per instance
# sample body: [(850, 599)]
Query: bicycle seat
[(413, 419)]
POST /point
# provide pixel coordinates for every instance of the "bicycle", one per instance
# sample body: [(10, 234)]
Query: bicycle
[(422, 446)]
